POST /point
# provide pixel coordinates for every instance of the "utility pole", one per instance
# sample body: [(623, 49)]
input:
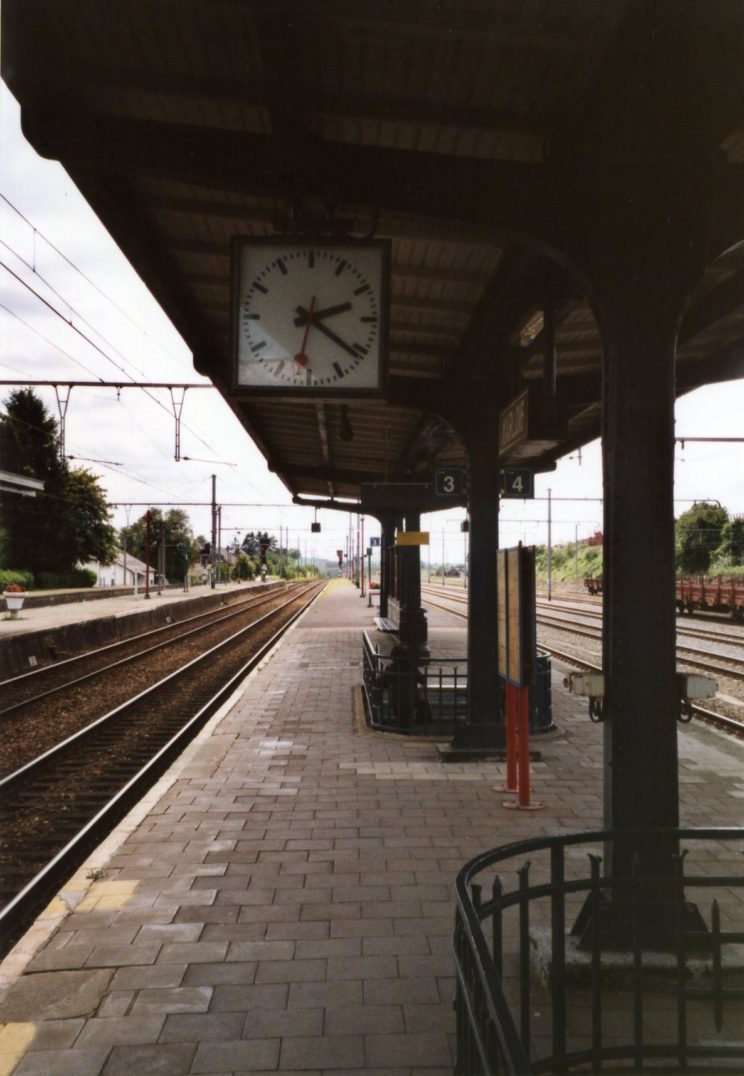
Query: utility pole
[(214, 529), (550, 546), (219, 538), (362, 553), (161, 557), (147, 552)]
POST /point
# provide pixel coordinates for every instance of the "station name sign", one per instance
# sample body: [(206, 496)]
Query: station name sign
[(513, 420)]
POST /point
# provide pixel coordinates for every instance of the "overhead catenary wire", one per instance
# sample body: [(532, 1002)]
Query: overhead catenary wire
[(85, 337), (38, 233)]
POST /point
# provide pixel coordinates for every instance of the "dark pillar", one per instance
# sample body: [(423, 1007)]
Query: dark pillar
[(641, 706), (484, 728), (413, 631), (387, 541), (407, 673), (642, 256)]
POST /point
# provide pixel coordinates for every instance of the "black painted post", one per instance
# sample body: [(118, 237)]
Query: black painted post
[(387, 539), (407, 670), (413, 632), (484, 728), (641, 706)]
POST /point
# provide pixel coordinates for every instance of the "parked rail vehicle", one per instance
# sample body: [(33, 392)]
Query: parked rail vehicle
[(720, 595), (593, 583)]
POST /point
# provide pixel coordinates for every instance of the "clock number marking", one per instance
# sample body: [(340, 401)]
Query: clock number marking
[(337, 368), (341, 268), (360, 349), (371, 320), (257, 347), (361, 291), (261, 288), (311, 259), (282, 266)]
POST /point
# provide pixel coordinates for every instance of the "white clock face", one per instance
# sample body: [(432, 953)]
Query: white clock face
[(309, 317)]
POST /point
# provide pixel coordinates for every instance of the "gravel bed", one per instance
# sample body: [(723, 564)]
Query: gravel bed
[(27, 734)]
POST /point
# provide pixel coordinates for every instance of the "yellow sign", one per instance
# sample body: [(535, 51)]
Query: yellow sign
[(412, 538)]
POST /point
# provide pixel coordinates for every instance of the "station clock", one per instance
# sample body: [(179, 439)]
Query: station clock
[(309, 318)]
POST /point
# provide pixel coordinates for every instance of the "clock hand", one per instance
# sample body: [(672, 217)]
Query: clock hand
[(336, 339), (329, 312), (301, 357)]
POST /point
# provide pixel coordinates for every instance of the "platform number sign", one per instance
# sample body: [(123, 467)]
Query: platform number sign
[(517, 483), (449, 481)]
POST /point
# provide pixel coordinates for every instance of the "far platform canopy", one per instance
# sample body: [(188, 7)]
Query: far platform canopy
[(465, 133)]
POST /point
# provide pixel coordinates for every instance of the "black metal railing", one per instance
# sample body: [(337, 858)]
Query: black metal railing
[(424, 697), (532, 997)]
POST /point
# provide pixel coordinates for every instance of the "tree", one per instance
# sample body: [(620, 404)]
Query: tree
[(69, 521), (86, 533), (730, 552), (699, 532), (181, 547), (253, 541)]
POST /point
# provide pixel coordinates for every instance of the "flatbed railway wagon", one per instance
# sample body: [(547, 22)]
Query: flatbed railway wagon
[(719, 595)]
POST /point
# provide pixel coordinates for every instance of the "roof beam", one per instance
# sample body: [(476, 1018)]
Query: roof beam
[(391, 225), (512, 196)]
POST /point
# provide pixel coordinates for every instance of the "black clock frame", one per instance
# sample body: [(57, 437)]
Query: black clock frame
[(237, 389)]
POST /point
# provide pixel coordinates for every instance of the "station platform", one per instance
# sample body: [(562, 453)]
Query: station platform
[(83, 605), (283, 899), (40, 632)]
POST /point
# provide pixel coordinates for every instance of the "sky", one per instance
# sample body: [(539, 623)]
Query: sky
[(71, 307)]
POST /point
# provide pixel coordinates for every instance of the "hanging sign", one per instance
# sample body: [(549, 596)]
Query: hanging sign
[(412, 538), (513, 423), (449, 481), (517, 483)]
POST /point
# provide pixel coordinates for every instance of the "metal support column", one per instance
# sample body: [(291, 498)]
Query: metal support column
[(484, 728), (642, 267), (388, 523), (641, 706)]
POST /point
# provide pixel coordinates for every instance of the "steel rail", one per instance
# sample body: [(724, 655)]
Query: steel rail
[(32, 674), (11, 779), (216, 619), (724, 638), (16, 913)]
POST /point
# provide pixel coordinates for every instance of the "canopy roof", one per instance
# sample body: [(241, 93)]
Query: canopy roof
[(441, 126)]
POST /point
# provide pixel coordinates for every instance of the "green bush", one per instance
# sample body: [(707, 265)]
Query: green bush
[(78, 577), (23, 579)]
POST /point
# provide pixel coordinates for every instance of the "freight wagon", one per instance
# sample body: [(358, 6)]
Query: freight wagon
[(721, 595), (718, 595)]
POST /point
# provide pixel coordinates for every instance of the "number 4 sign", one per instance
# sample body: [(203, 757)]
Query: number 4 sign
[(517, 483)]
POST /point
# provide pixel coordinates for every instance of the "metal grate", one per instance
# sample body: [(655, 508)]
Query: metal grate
[(640, 981)]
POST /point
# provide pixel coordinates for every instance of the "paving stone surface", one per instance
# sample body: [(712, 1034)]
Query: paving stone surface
[(287, 903)]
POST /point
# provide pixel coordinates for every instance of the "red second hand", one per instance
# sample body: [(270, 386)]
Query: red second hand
[(301, 358)]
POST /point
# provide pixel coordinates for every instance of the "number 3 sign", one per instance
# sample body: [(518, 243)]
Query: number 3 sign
[(449, 481)]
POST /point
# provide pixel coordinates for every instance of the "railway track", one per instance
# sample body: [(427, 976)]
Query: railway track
[(30, 686), (455, 604), (57, 806), (47, 705)]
